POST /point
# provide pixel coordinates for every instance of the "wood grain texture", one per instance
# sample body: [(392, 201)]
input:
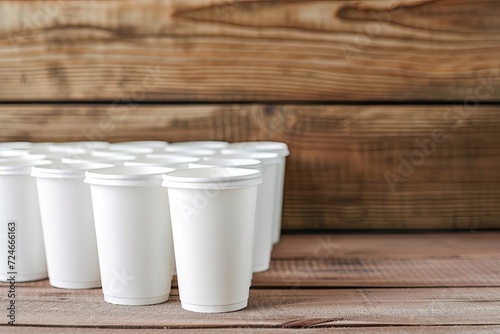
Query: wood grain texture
[(346, 169), (453, 329), (239, 50), (394, 246), (276, 308), (293, 307), (384, 260)]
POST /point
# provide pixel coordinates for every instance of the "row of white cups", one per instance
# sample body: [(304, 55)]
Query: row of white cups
[(92, 214)]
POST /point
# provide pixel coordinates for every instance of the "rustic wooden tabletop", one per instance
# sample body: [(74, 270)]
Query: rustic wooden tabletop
[(353, 283)]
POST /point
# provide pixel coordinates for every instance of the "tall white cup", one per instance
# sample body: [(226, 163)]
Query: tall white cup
[(213, 212), (21, 232), (267, 213), (282, 150), (262, 246), (134, 235), (68, 225)]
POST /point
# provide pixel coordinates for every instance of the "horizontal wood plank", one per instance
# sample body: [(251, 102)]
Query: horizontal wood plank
[(394, 246), (338, 272), (444, 308), (288, 308), (453, 329), (384, 260), (351, 167), (238, 50)]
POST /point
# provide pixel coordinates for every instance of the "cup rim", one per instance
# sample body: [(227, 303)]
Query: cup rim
[(127, 175), (20, 167), (263, 146), (167, 158), (189, 150), (133, 149), (212, 178), (145, 143), (202, 144), (16, 144), (61, 170), (229, 162), (88, 158), (267, 158)]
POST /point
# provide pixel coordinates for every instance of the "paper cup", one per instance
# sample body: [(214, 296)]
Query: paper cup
[(262, 246), (134, 235), (68, 225), (213, 212), (282, 150), (266, 213), (20, 221), (207, 144)]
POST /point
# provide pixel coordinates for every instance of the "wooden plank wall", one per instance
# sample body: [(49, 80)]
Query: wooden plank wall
[(390, 107)]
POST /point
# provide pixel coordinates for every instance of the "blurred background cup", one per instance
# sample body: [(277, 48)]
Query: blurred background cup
[(262, 246), (266, 215), (213, 214), (16, 144), (186, 151), (20, 213), (68, 224), (7, 152), (156, 145), (174, 161), (131, 149), (207, 144), (74, 146), (282, 150), (115, 158), (134, 236), (24, 156)]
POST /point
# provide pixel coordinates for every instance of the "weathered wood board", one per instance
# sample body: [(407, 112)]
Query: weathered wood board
[(351, 166), (239, 50), (443, 307)]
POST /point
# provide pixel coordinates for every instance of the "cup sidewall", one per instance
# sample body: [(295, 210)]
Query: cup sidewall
[(213, 237), (134, 240)]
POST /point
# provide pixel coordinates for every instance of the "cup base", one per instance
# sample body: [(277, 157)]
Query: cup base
[(260, 267), (74, 285), (214, 308), (25, 278), (135, 301)]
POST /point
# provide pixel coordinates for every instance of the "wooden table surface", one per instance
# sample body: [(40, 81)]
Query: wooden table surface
[(349, 283)]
